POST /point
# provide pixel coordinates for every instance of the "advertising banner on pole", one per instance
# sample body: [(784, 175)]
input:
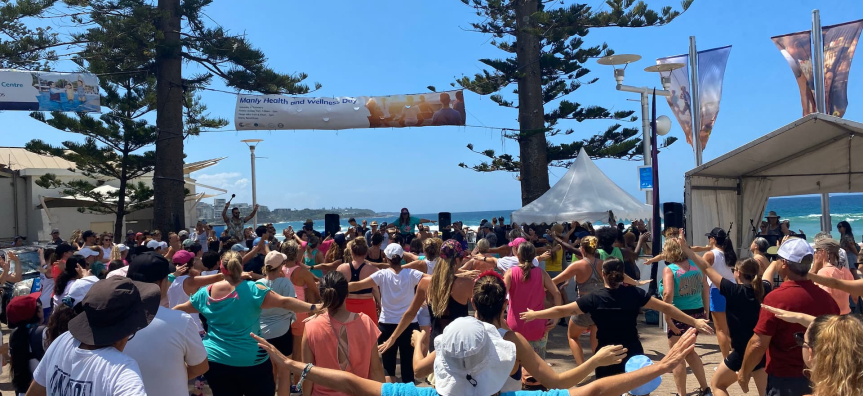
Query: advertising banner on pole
[(840, 41), (278, 112), (680, 100), (711, 71), (796, 48), (49, 91)]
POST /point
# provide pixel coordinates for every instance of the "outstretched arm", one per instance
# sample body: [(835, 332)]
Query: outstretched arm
[(225, 214), (251, 215), (552, 313), (673, 312), (701, 262), (273, 300), (409, 315), (366, 283), (186, 307), (191, 285), (855, 287)]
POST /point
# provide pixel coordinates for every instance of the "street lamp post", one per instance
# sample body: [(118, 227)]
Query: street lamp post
[(252, 143)]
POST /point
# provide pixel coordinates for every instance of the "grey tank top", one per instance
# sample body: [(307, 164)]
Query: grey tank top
[(592, 284)]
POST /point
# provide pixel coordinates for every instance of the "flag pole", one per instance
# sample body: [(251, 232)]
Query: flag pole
[(656, 227), (695, 107), (820, 102)]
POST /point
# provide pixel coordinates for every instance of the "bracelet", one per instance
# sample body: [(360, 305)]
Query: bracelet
[(303, 376)]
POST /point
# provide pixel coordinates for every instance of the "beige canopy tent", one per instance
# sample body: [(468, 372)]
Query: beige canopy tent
[(816, 154)]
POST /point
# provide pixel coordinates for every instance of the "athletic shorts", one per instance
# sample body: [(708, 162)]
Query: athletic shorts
[(734, 361), (717, 301), (299, 326), (363, 305), (283, 343), (582, 320), (683, 327), (423, 317)]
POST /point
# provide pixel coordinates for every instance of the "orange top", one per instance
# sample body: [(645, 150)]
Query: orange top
[(839, 296), (359, 332)]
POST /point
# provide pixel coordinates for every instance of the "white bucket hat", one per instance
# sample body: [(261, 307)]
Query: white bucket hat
[(472, 359)]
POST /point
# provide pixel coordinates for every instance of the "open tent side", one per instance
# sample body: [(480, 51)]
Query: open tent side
[(812, 155), (584, 193)]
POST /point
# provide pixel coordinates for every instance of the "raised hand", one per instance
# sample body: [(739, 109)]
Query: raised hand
[(678, 352), (610, 355), (788, 316), (703, 326)]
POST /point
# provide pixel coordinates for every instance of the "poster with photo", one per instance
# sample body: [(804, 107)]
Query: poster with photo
[(49, 91)]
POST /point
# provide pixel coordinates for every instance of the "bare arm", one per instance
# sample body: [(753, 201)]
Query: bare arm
[(307, 357), (273, 300), (566, 274), (854, 287), (251, 215), (312, 288), (36, 390), (197, 370), (225, 214), (191, 285), (755, 350), (419, 265), (770, 272), (673, 312), (557, 312), (423, 365), (550, 287), (567, 379), (668, 294), (186, 307), (702, 263), (367, 283), (409, 315)]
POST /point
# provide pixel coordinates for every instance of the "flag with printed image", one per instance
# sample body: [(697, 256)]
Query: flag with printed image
[(840, 41), (680, 100), (711, 72), (796, 48)]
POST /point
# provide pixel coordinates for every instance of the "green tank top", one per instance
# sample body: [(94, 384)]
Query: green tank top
[(310, 261), (614, 253), (687, 287)]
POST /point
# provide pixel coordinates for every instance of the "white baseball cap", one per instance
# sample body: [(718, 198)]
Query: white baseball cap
[(472, 359), (154, 244), (393, 250), (87, 252), (121, 247), (795, 250)]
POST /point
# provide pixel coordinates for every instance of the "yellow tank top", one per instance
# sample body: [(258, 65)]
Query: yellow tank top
[(555, 263)]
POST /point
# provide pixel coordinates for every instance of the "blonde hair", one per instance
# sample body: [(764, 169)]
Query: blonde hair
[(76, 235), (482, 245), (589, 244), (837, 365), (431, 247), (291, 249), (440, 288), (526, 254), (233, 262), (116, 254), (359, 246), (672, 251)]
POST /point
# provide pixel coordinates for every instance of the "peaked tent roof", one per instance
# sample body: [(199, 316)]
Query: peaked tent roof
[(584, 193)]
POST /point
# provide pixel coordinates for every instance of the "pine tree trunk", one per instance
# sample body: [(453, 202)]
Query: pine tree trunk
[(168, 185), (121, 197), (532, 148)]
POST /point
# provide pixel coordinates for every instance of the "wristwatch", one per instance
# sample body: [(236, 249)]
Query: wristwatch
[(313, 308)]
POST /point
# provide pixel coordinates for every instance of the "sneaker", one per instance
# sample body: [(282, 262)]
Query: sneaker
[(703, 392)]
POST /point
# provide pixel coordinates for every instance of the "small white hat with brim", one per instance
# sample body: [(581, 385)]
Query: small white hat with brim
[(472, 359)]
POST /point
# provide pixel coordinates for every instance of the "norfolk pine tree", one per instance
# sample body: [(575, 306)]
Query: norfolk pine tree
[(544, 41)]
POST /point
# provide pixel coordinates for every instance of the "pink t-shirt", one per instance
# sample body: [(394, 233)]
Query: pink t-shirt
[(322, 333), (524, 295), (839, 296)]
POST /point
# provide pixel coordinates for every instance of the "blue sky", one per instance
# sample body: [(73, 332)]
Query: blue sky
[(397, 47)]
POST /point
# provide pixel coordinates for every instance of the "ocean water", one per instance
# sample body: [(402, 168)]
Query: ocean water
[(804, 213)]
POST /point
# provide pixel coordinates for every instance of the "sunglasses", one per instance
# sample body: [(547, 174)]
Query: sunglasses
[(800, 339)]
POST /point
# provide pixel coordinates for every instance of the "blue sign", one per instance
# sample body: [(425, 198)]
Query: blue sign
[(645, 178)]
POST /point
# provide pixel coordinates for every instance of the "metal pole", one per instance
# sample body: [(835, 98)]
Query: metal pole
[(254, 186), (820, 102), (695, 106), (645, 137)]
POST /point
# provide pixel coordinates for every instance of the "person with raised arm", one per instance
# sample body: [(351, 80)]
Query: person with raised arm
[(615, 310), (744, 305), (497, 352)]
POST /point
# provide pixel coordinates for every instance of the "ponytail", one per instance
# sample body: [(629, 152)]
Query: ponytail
[(334, 290), (750, 271), (233, 266), (727, 250), (69, 272), (612, 272), (526, 255)]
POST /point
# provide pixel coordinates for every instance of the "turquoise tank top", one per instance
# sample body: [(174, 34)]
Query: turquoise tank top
[(311, 263), (605, 256), (687, 286)]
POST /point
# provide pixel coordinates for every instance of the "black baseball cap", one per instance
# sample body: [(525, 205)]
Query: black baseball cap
[(149, 267), (716, 233), (63, 248), (113, 309)]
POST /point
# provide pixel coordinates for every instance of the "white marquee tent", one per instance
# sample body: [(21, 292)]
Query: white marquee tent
[(816, 154), (584, 193)]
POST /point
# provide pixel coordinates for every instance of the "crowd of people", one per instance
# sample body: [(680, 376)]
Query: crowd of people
[(391, 308)]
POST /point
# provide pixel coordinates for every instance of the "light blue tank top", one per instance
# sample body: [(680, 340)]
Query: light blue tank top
[(687, 286)]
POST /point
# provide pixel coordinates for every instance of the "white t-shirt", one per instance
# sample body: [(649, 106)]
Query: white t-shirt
[(202, 240), (106, 253), (164, 348), (431, 264), (505, 263), (397, 292), (68, 370), (47, 285), (177, 295), (122, 271)]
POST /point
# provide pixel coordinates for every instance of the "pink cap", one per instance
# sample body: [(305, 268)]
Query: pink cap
[(183, 257), (517, 241)]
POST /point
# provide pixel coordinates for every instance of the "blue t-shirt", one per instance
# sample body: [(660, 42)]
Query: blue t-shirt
[(399, 389), (446, 116), (230, 319)]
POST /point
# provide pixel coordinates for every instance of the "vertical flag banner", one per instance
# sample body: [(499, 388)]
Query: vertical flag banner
[(796, 48), (680, 100), (840, 41), (711, 71)]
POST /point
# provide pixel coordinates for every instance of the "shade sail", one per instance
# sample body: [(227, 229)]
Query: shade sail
[(584, 193)]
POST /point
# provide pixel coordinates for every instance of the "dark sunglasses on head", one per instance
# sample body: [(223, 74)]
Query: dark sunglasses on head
[(800, 339)]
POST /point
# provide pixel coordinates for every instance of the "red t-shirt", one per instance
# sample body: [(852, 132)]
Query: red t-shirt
[(784, 357)]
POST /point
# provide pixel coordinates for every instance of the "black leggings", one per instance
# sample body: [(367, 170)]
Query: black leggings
[(227, 380), (402, 346)]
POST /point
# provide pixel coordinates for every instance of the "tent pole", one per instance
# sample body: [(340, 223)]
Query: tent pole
[(820, 102)]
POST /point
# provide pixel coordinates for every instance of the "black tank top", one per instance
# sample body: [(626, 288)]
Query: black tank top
[(355, 277), (438, 324), (380, 258)]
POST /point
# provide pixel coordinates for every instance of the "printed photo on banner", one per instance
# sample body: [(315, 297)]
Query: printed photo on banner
[(680, 100), (49, 91), (277, 112), (840, 41), (797, 51)]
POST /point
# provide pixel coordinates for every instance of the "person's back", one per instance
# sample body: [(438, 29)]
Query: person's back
[(103, 371), (840, 297), (524, 294), (326, 336), (783, 355), (276, 322), (164, 349)]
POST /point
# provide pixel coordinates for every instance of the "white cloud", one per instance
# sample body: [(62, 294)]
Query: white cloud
[(226, 180)]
